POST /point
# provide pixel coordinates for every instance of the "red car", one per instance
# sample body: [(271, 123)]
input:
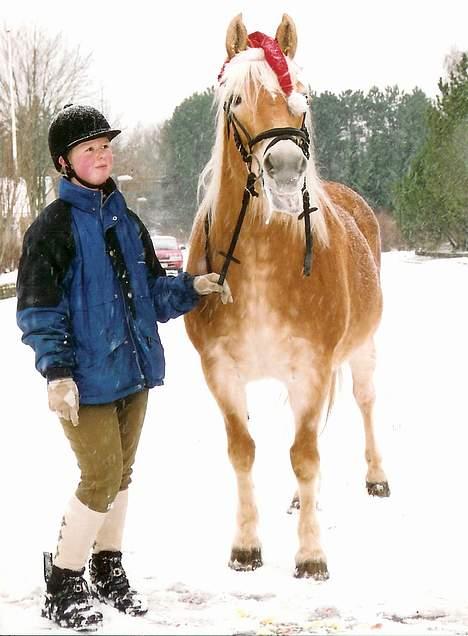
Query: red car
[(169, 253)]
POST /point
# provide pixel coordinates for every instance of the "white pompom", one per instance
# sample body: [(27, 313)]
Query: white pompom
[(297, 103)]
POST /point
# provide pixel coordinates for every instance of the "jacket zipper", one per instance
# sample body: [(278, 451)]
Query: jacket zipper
[(130, 332), (125, 308)]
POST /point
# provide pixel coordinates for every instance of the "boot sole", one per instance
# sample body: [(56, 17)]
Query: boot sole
[(110, 603), (86, 627)]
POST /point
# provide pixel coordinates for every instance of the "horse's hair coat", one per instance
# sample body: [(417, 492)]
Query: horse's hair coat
[(283, 324)]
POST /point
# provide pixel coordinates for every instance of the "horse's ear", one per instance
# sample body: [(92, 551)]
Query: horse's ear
[(236, 36), (286, 36)]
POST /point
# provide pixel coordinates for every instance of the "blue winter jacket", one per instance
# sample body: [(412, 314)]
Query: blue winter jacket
[(90, 291)]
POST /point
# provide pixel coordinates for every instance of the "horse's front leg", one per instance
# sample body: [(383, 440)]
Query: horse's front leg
[(306, 399), (229, 392)]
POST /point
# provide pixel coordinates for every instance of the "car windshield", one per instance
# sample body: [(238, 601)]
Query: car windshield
[(165, 242)]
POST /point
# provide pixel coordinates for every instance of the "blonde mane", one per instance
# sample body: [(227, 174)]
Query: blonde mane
[(244, 76)]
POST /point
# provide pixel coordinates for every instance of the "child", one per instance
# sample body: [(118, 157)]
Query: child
[(90, 291)]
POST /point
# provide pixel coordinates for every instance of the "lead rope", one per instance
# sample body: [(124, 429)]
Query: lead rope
[(209, 269), (249, 192)]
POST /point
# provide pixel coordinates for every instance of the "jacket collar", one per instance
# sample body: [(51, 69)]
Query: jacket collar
[(91, 200)]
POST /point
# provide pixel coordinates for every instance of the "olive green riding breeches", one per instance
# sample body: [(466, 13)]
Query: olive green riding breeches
[(105, 443)]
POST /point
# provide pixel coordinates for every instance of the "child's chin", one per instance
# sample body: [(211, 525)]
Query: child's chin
[(99, 177)]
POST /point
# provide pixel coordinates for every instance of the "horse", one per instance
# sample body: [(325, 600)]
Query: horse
[(302, 260)]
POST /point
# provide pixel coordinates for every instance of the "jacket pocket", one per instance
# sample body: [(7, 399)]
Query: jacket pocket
[(98, 332)]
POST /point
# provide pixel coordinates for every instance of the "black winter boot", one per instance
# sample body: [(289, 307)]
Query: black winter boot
[(68, 601), (109, 583)]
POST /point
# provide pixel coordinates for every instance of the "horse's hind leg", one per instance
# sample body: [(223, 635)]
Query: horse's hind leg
[(246, 551), (362, 364)]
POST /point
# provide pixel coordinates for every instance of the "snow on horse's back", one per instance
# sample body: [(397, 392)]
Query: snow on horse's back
[(305, 282)]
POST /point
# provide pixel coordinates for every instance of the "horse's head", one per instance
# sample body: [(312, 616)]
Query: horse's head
[(265, 110)]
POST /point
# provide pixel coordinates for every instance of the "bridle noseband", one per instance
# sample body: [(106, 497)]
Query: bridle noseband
[(299, 136)]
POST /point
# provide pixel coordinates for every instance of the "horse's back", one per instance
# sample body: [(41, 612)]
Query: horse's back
[(352, 204)]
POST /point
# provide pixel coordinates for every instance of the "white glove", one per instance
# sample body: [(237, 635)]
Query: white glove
[(64, 399), (208, 283)]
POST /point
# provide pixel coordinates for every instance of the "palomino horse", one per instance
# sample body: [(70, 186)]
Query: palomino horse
[(301, 307)]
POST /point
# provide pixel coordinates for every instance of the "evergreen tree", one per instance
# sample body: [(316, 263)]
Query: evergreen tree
[(186, 142), (363, 140), (380, 165), (330, 135), (433, 196), (367, 140)]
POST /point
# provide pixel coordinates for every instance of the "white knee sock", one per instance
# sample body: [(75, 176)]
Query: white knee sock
[(79, 529), (110, 534)]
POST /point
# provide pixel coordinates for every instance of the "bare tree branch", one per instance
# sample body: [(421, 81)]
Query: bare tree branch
[(47, 74)]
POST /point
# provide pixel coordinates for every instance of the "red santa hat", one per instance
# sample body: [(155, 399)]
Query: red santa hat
[(276, 59)]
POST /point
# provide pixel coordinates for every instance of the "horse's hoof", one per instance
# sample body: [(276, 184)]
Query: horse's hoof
[(294, 505), (246, 560), (312, 570), (378, 489)]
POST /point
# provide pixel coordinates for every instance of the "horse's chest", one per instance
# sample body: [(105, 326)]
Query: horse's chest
[(263, 336), (264, 352)]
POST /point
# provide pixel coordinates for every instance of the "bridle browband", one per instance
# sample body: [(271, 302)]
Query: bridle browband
[(299, 136)]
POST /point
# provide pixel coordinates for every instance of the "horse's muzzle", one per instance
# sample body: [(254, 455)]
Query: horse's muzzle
[(284, 168)]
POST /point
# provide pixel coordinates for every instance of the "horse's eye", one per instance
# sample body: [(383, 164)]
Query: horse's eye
[(237, 100)]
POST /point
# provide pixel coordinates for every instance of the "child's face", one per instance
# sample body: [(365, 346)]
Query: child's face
[(92, 160)]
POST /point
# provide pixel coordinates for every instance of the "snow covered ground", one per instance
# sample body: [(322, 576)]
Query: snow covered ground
[(397, 566)]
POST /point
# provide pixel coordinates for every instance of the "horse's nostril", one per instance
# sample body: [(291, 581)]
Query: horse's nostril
[(268, 165)]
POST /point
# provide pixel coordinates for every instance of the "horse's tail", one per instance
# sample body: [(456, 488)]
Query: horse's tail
[(332, 393), (335, 378)]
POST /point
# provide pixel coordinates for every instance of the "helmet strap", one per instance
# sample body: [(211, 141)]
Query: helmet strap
[(71, 174)]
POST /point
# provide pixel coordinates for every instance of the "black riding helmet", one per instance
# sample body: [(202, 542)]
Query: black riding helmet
[(73, 125)]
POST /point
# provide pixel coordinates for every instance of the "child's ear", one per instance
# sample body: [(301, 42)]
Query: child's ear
[(63, 165)]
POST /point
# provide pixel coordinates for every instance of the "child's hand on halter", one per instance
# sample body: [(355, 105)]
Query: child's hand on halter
[(208, 283), (64, 399)]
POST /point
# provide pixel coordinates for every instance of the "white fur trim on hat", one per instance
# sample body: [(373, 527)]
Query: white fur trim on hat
[(297, 103), (251, 54)]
